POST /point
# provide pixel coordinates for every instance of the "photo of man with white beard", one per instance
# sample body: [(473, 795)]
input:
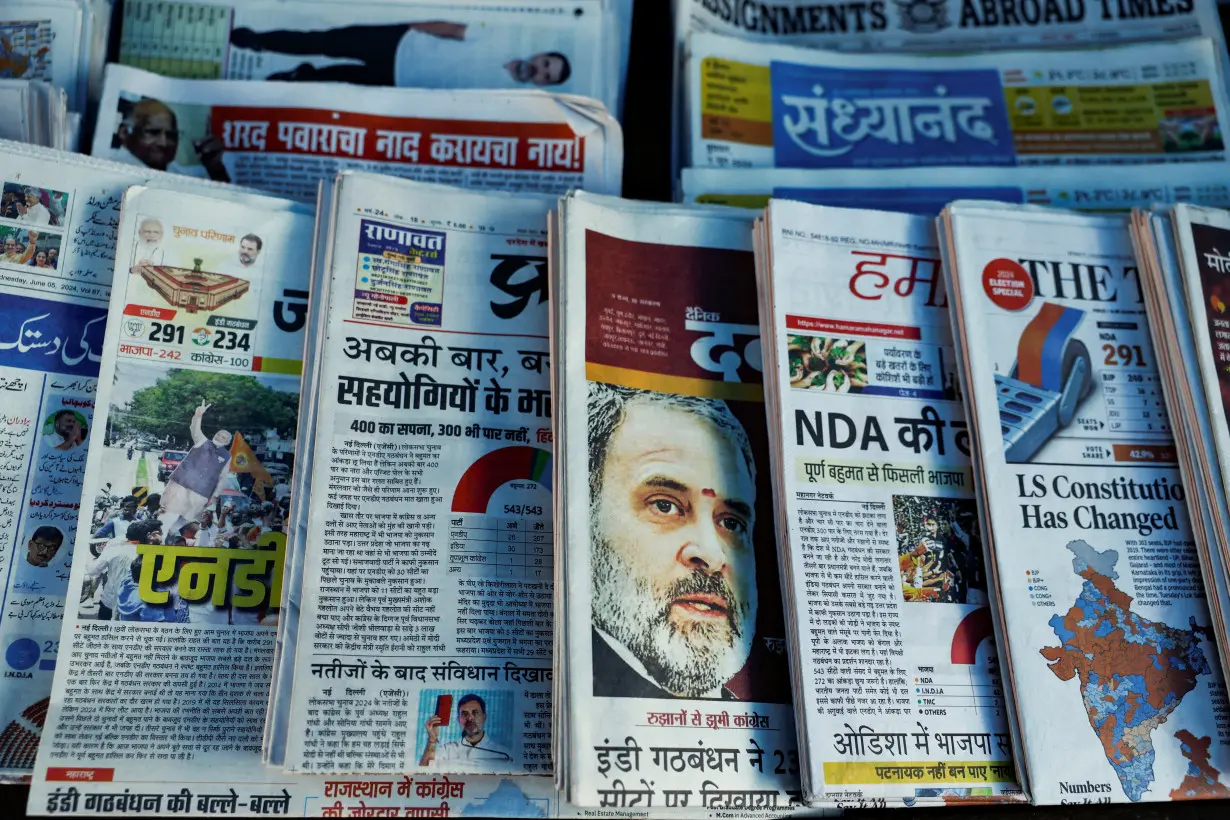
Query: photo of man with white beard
[(672, 512)]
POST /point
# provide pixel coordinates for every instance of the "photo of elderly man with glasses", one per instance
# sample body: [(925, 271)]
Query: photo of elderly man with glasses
[(149, 135)]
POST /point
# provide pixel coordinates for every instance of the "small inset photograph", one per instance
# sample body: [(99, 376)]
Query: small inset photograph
[(939, 550), (34, 206), (43, 544), (29, 247), (826, 363), (65, 430), (1191, 133), (463, 729)]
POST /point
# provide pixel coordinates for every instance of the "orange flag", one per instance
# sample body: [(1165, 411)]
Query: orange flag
[(243, 460)]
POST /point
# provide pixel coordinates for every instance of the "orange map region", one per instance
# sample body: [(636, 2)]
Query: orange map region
[(1133, 672), (1201, 780)]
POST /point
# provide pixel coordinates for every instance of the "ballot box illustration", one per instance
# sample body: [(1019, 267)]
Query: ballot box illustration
[(1051, 376)]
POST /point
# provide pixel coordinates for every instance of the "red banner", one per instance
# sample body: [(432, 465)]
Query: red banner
[(513, 146)]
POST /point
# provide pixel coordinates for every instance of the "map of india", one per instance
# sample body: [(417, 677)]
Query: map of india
[(1133, 672)]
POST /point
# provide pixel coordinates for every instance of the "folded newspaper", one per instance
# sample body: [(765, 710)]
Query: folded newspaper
[(1163, 280), (1101, 616), (570, 46), (433, 431), (878, 26), (757, 105), (58, 247), (1191, 270), (896, 679), (926, 191), (283, 138), (672, 615), (207, 346)]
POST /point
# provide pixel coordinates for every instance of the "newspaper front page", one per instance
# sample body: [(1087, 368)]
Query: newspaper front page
[(756, 105), (678, 687), (1108, 646), (58, 218), (569, 46), (282, 138), (897, 677), (926, 191), (189, 679), (432, 496)]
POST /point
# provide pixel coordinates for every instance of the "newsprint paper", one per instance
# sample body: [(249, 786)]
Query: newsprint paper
[(1170, 323), (58, 219), (1108, 647), (926, 191), (675, 643), (433, 434), (568, 46), (284, 137), (759, 105), (898, 691), (947, 25)]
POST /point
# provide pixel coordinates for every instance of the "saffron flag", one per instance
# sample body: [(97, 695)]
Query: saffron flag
[(243, 460)]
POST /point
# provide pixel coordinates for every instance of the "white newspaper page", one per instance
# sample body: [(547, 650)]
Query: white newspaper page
[(900, 685), (678, 686), (58, 219), (947, 25), (44, 40), (1111, 654), (570, 46), (757, 105), (926, 191), (283, 138), (197, 402), (427, 645)]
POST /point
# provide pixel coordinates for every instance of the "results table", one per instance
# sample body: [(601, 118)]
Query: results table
[(497, 547)]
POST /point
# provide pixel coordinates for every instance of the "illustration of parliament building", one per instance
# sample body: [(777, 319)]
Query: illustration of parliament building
[(193, 290)]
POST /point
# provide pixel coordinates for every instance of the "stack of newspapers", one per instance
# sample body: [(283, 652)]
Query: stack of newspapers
[(1095, 584), (37, 114), (855, 106), (1182, 272)]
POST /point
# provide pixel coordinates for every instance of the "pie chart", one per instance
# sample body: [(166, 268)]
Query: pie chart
[(495, 469)]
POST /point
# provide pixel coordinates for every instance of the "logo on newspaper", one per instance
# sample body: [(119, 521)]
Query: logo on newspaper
[(134, 328), (923, 16), (400, 274), (840, 118)]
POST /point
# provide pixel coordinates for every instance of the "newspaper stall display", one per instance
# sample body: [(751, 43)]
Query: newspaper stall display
[(258, 134), (925, 191), (569, 46), (674, 630), (758, 105), (433, 431), (896, 678), (58, 218), (1170, 323), (1103, 626)]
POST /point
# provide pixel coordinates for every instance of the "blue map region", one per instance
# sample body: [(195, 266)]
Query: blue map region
[(1133, 672)]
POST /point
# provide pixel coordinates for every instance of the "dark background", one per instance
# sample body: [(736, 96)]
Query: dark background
[(647, 176)]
